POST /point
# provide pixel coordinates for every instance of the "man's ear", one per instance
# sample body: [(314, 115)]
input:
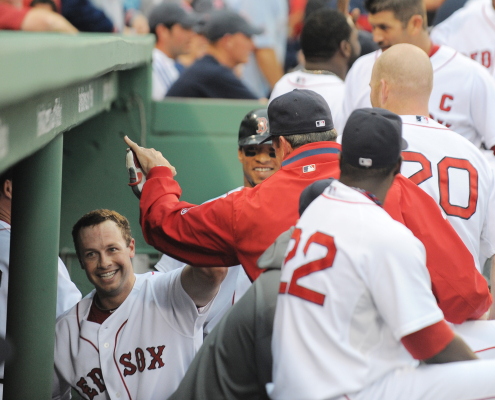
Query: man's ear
[(398, 166), (240, 155), (7, 189), (132, 248), (162, 32), (415, 25), (346, 49)]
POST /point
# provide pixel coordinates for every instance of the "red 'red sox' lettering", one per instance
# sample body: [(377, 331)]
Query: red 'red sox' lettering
[(97, 378), (443, 106), (156, 361), (485, 59)]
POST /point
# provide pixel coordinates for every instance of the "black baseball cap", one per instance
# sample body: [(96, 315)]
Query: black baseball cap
[(171, 13), (254, 128), (372, 138), (224, 22), (299, 111)]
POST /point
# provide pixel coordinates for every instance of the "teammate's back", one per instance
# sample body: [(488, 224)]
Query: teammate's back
[(455, 173)]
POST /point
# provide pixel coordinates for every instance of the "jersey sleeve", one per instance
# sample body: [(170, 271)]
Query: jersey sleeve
[(483, 103), (177, 307), (461, 291), (440, 33), (400, 284), (202, 236), (68, 295), (60, 388), (487, 243)]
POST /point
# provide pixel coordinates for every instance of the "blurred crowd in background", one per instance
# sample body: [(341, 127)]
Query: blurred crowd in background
[(250, 43)]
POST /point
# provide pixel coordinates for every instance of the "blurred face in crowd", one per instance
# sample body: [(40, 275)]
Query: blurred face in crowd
[(388, 30), (180, 39), (106, 258), (240, 47), (258, 163)]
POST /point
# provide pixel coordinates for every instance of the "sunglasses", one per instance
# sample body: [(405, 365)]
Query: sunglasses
[(251, 151)]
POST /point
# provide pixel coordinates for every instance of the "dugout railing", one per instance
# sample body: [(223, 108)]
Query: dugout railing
[(66, 101)]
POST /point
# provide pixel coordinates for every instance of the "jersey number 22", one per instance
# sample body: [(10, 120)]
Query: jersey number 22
[(293, 287)]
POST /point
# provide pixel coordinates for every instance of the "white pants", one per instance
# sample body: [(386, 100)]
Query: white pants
[(480, 337), (466, 380)]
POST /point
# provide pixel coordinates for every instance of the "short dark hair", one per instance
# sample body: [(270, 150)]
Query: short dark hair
[(322, 34), (363, 173), (51, 3), (403, 9), (97, 217), (301, 139)]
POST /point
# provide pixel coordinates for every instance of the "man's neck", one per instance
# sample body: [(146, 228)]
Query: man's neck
[(164, 50), (379, 190), (411, 108), (106, 302), (334, 66), (423, 41), (221, 56), (5, 210)]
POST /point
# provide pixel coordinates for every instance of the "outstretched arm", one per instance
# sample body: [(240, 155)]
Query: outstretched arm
[(202, 284), (149, 158)]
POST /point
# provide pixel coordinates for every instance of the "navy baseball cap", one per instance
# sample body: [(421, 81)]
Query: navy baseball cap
[(169, 14), (372, 138), (224, 22), (299, 111)]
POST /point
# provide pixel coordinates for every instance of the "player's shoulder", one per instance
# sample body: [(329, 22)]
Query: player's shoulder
[(76, 313), (463, 64)]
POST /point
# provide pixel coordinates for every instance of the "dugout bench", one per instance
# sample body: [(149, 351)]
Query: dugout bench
[(66, 102)]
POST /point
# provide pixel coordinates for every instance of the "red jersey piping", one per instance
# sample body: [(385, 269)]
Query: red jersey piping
[(115, 360), (79, 326)]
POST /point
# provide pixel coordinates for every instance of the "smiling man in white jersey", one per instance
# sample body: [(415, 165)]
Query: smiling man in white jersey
[(463, 96), (445, 165), (355, 311), (134, 336)]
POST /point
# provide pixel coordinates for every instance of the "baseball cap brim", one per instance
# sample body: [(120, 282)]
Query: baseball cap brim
[(255, 140), (266, 139), (225, 22)]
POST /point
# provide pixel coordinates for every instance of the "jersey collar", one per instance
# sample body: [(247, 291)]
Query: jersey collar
[(319, 152)]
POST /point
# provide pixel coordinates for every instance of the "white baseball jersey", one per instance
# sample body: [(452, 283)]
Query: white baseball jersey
[(330, 87), (463, 96), (67, 293), (471, 31), (456, 175), (164, 74), (354, 283), (233, 287), (141, 351)]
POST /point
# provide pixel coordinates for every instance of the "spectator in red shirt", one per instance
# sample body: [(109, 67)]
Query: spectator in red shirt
[(18, 15)]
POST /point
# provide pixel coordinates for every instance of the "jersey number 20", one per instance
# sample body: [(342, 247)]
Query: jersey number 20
[(304, 270), (443, 181)]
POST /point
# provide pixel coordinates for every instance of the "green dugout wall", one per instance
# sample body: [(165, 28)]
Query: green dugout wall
[(66, 103)]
